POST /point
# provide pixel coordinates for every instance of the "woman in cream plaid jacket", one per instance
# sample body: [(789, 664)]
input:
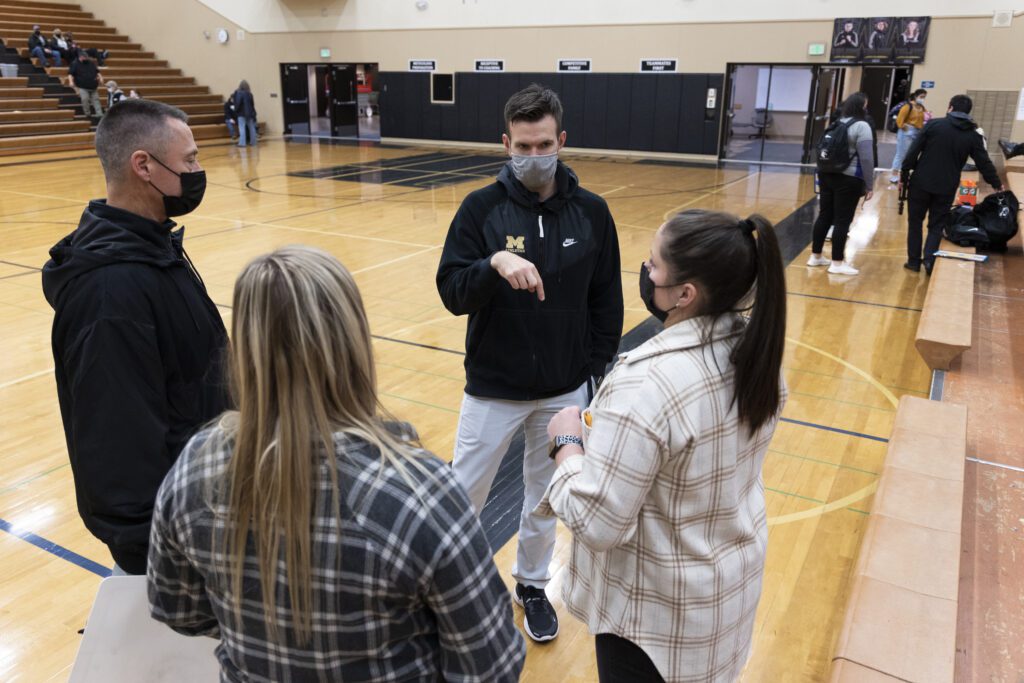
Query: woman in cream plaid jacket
[(663, 494)]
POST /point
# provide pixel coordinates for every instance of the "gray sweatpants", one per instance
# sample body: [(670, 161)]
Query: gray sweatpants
[(486, 428)]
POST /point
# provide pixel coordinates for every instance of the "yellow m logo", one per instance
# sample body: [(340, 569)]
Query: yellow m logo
[(513, 243)]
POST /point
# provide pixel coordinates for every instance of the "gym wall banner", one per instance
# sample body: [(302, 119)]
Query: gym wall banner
[(879, 40), (911, 38), (847, 40), (881, 37)]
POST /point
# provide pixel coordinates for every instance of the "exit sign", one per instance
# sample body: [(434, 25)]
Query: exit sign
[(816, 49), (325, 53)]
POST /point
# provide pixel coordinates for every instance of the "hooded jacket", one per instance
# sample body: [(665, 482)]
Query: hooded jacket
[(138, 353), (940, 151), (518, 347)]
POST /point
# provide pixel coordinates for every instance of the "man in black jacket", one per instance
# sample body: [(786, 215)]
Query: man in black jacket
[(534, 260), (137, 342), (40, 49), (85, 74), (936, 160)]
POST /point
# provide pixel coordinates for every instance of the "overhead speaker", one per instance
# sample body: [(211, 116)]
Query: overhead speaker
[(1002, 18)]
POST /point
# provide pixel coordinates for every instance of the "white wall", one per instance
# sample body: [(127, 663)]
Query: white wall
[(269, 16)]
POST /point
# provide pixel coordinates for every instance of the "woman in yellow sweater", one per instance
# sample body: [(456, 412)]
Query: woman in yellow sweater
[(909, 123)]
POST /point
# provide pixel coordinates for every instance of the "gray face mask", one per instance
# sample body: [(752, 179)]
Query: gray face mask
[(534, 172)]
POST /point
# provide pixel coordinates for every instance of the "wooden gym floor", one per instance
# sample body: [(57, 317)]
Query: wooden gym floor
[(384, 212)]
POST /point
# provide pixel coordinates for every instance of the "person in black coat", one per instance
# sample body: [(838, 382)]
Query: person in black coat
[(936, 160), (39, 48), (137, 342), (245, 110), (230, 117)]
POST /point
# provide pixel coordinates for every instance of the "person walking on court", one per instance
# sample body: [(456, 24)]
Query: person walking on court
[(843, 183), (373, 565), (660, 480), (909, 122), (85, 76), (934, 164), (533, 259), (137, 342), (245, 110)]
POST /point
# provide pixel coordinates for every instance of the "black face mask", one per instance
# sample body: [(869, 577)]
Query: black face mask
[(193, 187), (647, 289)]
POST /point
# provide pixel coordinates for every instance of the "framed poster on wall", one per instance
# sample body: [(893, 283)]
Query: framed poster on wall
[(881, 37), (847, 40), (911, 39)]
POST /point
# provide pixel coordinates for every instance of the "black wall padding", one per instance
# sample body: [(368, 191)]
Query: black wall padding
[(639, 112)]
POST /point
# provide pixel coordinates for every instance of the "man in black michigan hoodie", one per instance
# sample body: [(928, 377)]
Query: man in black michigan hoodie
[(533, 259), (937, 159), (137, 342)]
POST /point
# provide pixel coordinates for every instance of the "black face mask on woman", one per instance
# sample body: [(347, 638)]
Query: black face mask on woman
[(193, 187), (647, 289)]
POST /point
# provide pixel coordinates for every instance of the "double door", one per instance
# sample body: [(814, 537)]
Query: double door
[(301, 95), (776, 113)]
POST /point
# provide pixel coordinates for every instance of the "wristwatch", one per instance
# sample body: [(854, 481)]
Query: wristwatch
[(563, 440)]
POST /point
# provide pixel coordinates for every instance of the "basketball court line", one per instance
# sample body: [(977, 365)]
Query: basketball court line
[(853, 301), (55, 549)]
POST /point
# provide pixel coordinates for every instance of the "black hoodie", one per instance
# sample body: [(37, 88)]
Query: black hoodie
[(938, 155), (517, 347), (138, 352)]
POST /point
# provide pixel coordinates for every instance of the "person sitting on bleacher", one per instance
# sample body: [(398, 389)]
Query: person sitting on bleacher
[(99, 54), (114, 93), (59, 45), (40, 49), (1011, 149)]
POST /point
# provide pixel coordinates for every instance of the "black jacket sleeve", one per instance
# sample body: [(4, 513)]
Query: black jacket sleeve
[(984, 163), (605, 300), (119, 424), (914, 153), (465, 279)]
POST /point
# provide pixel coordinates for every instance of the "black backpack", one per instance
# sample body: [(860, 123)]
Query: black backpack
[(963, 228), (893, 113), (997, 216), (834, 148)]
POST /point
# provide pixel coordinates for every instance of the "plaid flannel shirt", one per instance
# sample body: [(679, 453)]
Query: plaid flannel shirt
[(667, 508), (408, 591)]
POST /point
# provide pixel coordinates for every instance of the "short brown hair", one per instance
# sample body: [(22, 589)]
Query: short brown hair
[(131, 125), (533, 103)]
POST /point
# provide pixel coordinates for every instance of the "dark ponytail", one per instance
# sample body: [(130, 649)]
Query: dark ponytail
[(730, 258), (758, 355)]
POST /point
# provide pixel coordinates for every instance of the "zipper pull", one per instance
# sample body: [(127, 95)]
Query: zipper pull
[(540, 224)]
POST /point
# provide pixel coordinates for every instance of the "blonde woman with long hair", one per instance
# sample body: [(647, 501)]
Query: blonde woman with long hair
[(315, 538)]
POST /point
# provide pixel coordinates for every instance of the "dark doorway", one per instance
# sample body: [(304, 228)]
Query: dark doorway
[(877, 84), (827, 90), (344, 102), (295, 98), (326, 100)]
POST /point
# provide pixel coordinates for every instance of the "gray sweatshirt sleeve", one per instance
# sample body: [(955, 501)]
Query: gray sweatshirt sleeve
[(866, 155)]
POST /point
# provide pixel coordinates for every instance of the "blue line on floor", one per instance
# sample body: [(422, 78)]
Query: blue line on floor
[(54, 549), (855, 301), (834, 429)]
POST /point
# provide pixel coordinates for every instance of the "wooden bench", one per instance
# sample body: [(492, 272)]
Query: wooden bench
[(900, 622), (946, 325)]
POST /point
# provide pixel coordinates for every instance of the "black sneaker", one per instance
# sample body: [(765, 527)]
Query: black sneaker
[(916, 267), (541, 622)]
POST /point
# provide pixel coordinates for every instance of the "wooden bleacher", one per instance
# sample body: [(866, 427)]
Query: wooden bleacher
[(40, 112), (901, 619)]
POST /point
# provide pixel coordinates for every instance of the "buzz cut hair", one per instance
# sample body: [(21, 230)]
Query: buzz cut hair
[(131, 125), (533, 103)]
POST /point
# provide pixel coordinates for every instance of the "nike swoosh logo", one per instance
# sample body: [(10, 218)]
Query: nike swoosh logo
[(568, 243)]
